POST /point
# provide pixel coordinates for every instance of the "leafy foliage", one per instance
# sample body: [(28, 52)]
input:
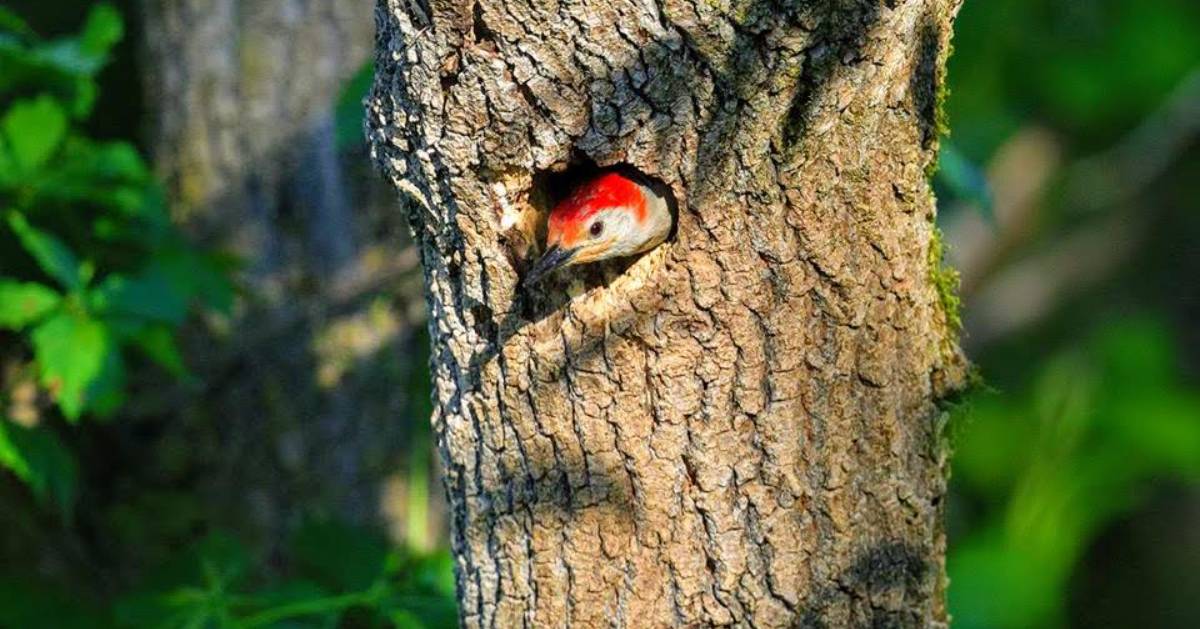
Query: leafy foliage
[(94, 274), (24, 302), (1089, 69), (41, 461), (342, 575), (1048, 467), (90, 265), (218, 583), (1084, 429)]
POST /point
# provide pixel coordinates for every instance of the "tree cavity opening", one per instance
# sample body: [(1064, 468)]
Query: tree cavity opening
[(552, 185)]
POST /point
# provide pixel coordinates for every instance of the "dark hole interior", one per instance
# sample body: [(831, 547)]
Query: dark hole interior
[(551, 187)]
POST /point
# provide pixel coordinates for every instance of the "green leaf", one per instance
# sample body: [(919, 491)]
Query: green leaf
[(120, 161), (12, 23), (112, 178), (102, 30), (996, 582), (33, 130), (192, 589), (297, 603), (28, 601), (106, 393), (158, 342), (22, 303), (62, 68), (86, 93), (404, 619), (205, 277), (86, 54), (434, 612), (339, 555), (435, 572), (37, 457), (149, 295), (72, 352), (12, 456), (54, 257), (288, 592)]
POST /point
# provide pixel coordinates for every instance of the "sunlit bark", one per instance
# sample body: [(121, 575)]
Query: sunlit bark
[(741, 427)]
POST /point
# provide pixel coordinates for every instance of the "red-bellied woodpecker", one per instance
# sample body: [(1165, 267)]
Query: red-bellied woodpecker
[(608, 217)]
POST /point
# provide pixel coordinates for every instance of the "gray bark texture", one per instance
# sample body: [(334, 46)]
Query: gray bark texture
[(741, 427), (304, 384)]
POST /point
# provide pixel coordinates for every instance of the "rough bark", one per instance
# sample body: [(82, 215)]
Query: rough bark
[(305, 382), (740, 427)]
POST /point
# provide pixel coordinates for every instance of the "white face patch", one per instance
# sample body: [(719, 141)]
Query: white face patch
[(619, 227)]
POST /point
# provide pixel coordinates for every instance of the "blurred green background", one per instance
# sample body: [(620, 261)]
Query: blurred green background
[(168, 459)]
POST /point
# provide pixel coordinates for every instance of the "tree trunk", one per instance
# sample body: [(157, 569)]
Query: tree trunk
[(303, 390), (742, 426)]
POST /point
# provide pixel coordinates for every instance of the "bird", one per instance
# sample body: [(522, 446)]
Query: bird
[(612, 215)]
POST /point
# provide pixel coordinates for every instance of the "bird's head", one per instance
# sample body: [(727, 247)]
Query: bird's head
[(609, 216)]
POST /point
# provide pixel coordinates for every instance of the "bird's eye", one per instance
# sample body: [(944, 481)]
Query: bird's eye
[(596, 229)]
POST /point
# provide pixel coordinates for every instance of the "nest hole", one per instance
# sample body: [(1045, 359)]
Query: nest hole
[(552, 185), (549, 188)]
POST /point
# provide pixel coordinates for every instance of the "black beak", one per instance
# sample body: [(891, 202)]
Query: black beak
[(554, 258)]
